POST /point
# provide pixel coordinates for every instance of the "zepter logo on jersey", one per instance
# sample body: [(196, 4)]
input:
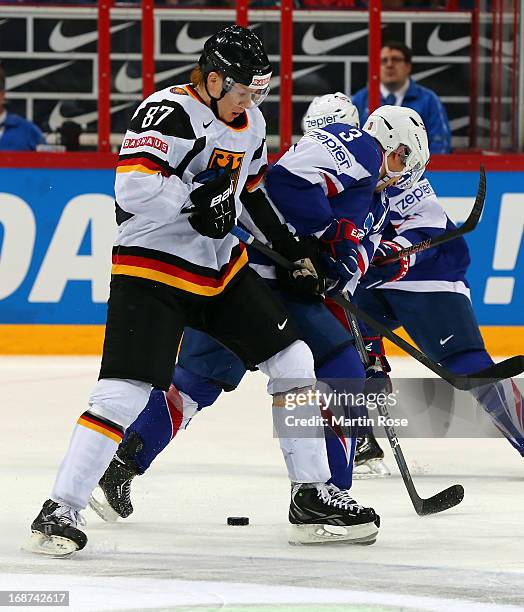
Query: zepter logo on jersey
[(221, 158), (334, 147), (405, 199)]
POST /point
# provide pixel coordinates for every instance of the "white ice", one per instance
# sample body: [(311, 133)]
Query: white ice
[(176, 552)]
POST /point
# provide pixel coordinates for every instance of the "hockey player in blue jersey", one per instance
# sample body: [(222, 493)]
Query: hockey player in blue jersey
[(341, 169), (432, 281), (402, 293)]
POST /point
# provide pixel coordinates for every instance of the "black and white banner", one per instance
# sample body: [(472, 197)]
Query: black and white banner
[(51, 61)]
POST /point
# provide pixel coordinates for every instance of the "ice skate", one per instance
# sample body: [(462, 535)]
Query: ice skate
[(322, 513), (111, 500), (369, 459), (54, 531)]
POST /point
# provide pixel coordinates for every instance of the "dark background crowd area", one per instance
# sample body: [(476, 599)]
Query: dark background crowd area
[(254, 4)]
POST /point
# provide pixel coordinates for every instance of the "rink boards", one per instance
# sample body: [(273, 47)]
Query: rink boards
[(57, 228)]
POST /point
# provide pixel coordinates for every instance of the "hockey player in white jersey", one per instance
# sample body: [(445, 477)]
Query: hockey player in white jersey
[(176, 265), (313, 184)]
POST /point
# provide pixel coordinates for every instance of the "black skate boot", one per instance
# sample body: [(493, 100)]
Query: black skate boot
[(54, 531), (324, 513), (369, 458), (113, 497)]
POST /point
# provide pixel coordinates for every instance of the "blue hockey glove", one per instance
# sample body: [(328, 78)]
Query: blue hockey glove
[(340, 241)]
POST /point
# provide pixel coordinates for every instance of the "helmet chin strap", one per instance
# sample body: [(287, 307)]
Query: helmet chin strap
[(214, 101), (386, 181)]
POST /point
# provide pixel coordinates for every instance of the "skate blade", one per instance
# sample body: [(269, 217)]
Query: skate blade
[(51, 546), (102, 508), (373, 468), (331, 534)]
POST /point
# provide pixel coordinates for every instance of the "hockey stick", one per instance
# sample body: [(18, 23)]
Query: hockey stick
[(468, 226), (439, 502), (499, 371), (464, 382)]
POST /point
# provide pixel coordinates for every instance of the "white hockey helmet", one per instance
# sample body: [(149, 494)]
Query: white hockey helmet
[(331, 108), (401, 130)]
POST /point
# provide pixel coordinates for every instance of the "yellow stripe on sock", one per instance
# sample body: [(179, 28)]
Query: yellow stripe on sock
[(101, 430)]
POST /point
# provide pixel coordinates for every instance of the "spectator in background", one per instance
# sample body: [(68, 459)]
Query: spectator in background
[(16, 133), (396, 88)]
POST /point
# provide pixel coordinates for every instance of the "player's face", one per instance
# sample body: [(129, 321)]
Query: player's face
[(230, 107), (396, 162), (394, 70), (238, 99), (248, 97), (395, 165)]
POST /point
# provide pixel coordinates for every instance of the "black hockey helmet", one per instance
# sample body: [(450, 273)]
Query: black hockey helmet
[(239, 55)]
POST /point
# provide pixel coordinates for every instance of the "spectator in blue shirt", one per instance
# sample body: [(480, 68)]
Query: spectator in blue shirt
[(398, 89), (16, 133)]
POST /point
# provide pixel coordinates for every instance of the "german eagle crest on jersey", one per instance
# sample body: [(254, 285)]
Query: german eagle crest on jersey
[(222, 158)]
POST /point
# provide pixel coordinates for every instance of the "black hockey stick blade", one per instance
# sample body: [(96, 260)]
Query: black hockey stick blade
[(499, 371), (474, 217), (444, 500), (468, 226)]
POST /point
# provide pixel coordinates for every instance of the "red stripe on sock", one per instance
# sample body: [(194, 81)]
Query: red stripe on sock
[(175, 405), (336, 429)]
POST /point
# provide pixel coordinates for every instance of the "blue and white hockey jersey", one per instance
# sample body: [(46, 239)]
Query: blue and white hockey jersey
[(333, 172), (415, 215), (330, 173)]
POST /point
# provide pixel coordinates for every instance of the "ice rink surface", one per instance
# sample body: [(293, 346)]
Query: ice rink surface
[(177, 553)]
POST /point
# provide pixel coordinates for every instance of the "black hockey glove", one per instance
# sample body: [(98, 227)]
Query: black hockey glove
[(213, 213), (308, 281)]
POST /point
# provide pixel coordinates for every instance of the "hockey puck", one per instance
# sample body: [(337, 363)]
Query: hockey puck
[(237, 520)]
